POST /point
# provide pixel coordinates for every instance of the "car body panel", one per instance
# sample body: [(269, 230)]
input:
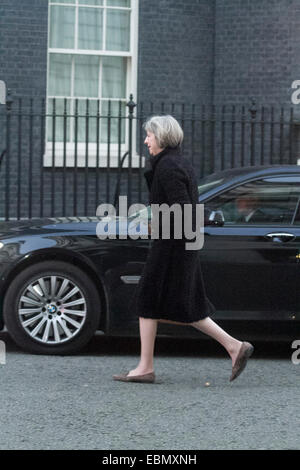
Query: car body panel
[(247, 276), (247, 273)]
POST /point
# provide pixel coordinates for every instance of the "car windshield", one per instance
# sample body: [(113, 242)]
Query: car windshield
[(142, 214), (206, 183)]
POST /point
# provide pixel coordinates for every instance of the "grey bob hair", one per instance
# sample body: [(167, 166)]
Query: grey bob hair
[(166, 130)]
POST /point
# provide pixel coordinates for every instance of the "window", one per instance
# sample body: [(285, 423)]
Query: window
[(266, 201), (208, 184), (91, 72)]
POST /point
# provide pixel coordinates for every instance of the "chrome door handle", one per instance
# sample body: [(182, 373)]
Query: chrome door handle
[(130, 279), (280, 237)]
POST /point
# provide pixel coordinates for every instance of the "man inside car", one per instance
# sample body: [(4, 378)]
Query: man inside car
[(248, 210)]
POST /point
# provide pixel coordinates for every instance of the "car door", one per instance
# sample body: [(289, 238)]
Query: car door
[(297, 289), (250, 264), (122, 263)]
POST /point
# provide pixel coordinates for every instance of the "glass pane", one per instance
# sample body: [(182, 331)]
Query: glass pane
[(118, 28), (62, 27), (118, 3), (257, 203), (113, 77), (90, 28), (61, 124), (86, 76), (116, 122), (60, 67), (87, 122), (90, 2)]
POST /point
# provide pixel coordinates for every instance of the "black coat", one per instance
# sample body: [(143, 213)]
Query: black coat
[(171, 286)]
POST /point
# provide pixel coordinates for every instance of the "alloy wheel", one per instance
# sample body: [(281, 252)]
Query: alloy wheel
[(52, 309)]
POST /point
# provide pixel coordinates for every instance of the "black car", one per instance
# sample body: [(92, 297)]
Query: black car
[(59, 282)]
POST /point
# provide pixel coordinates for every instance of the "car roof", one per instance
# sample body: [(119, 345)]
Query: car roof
[(248, 170), (230, 177)]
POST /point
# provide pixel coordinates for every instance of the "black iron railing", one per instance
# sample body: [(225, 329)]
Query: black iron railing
[(64, 157)]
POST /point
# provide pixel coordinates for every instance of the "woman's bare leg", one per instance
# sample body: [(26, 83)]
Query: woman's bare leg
[(209, 327), (148, 329)]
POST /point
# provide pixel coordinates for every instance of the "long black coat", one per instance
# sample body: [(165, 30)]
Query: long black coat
[(171, 286)]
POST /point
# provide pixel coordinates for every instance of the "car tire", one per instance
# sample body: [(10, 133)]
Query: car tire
[(37, 310)]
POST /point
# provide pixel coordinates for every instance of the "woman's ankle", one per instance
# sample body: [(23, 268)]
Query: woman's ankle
[(233, 349), (141, 370)]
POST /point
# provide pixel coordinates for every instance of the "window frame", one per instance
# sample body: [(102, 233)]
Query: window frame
[(253, 180), (68, 149)]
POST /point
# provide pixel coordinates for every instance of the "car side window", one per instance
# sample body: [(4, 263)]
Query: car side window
[(270, 200), (297, 216)]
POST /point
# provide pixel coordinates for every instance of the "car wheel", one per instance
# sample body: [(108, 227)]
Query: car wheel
[(52, 308)]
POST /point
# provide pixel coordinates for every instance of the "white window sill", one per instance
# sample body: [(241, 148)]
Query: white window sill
[(68, 155)]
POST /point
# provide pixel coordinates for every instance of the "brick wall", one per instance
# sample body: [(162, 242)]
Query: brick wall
[(254, 51), (190, 51), (23, 46), (176, 51), (23, 66)]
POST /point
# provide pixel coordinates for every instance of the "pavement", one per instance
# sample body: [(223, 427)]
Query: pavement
[(71, 402)]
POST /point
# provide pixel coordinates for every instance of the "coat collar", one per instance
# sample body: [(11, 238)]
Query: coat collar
[(154, 159)]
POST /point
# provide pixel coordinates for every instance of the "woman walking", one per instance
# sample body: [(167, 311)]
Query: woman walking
[(171, 288)]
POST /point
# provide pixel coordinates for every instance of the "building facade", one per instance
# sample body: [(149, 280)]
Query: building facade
[(191, 51), (86, 57)]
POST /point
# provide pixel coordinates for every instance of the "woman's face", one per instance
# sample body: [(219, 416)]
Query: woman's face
[(151, 142)]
